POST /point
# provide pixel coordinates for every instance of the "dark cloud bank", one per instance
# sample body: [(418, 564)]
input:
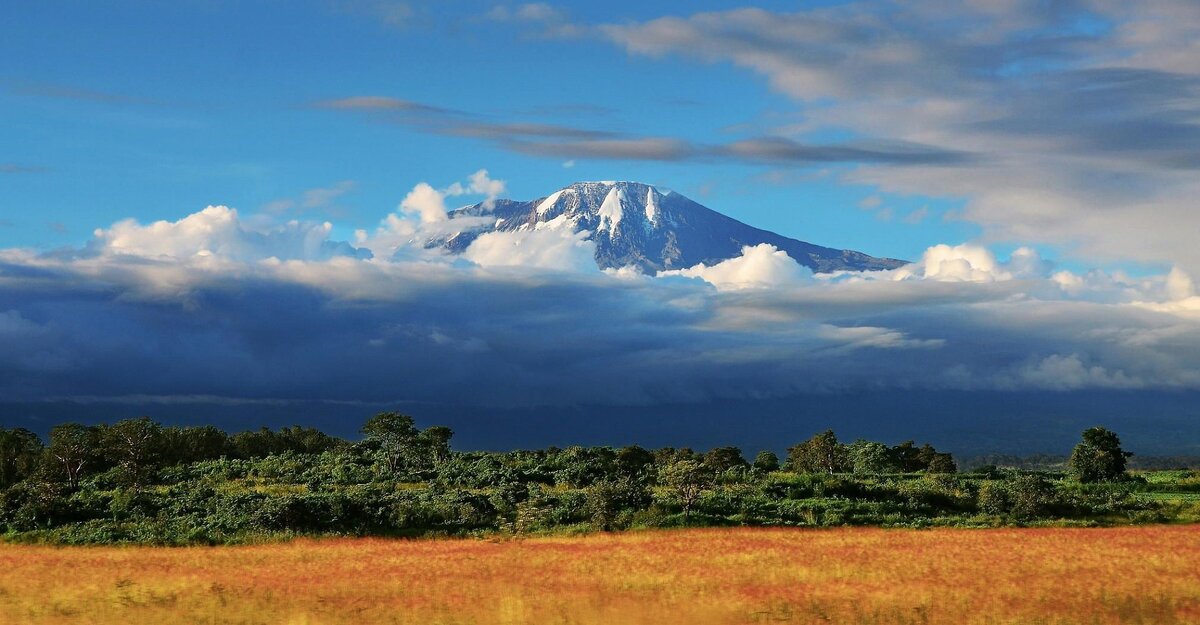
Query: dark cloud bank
[(209, 320)]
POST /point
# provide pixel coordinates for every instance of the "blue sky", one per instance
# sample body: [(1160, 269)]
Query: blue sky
[(153, 111), (217, 210)]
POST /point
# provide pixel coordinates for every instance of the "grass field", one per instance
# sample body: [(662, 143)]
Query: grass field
[(857, 575)]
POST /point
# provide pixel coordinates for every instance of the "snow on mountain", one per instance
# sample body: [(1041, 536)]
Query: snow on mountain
[(636, 224)]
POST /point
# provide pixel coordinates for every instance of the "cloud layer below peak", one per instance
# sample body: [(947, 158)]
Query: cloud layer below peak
[(219, 305)]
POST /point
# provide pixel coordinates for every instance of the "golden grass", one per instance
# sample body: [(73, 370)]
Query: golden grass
[(1147, 575)]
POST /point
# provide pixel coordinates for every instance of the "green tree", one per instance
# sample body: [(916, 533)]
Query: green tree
[(820, 454), (870, 458), (435, 444), (193, 444), (687, 480), (721, 459), (993, 498), (634, 461), (1030, 496), (135, 446), (907, 457), (255, 443), (942, 463), (1098, 457), (1023, 496), (766, 461), (74, 448), (583, 466), (304, 440), (20, 455), (607, 500), (667, 455), (395, 434)]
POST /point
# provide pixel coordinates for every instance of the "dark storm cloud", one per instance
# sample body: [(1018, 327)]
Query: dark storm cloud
[(451, 333)]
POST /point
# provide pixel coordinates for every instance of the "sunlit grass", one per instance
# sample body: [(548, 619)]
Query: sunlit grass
[(961, 577)]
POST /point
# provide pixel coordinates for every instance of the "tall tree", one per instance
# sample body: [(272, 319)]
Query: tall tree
[(395, 434), (907, 457), (871, 458), (73, 448), (435, 441), (820, 454), (942, 463), (1098, 457), (687, 479), (634, 460), (20, 452), (193, 444), (766, 461), (721, 459), (135, 446)]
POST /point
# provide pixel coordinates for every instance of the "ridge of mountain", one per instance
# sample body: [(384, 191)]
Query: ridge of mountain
[(633, 223)]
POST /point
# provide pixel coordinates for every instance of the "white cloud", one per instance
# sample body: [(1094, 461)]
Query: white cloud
[(429, 203), (478, 183), (1058, 372), (398, 231), (523, 316), (546, 248), (1180, 295), (552, 21), (960, 263), (874, 337), (426, 202), (759, 266), (1179, 285), (1073, 136), (217, 232)]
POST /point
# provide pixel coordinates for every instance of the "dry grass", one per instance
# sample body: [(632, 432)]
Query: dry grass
[(1030, 576)]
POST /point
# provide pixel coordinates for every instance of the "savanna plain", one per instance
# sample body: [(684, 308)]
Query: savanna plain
[(1096, 576)]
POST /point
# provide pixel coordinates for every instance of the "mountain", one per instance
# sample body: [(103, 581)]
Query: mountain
[(636, 224)]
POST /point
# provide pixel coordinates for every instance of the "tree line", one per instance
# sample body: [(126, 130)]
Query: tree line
[(137, 448), (140, 481)]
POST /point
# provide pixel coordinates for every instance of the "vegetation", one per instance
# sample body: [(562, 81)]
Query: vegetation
[(137, 481), (736, 576), (1098, 457)]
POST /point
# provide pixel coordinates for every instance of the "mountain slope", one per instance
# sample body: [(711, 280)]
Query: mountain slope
[(635, 224)]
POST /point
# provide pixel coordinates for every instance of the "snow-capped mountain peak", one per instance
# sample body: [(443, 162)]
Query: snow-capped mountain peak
[(633, 223)]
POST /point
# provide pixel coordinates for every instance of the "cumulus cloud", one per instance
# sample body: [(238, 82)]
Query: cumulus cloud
[(973, 263), (478, 183), (217, 232), (428, 205), (546, 248), (1179, 285), (759, 266), (426, 202)]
